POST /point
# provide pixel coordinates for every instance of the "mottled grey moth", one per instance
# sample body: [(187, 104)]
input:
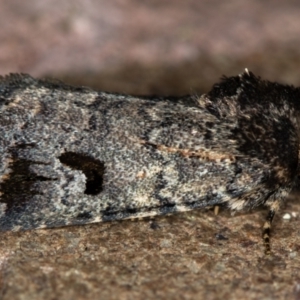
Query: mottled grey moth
[(71, 155)]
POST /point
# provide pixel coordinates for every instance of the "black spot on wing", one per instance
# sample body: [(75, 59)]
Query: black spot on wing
[(92, 168), (84, 216)]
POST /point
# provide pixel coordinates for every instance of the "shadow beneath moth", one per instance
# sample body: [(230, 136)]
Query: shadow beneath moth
[(71, 155)]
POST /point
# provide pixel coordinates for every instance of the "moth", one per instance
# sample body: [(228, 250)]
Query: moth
[(71, 155)]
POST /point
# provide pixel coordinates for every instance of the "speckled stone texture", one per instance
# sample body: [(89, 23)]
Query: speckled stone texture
[(153, 47)]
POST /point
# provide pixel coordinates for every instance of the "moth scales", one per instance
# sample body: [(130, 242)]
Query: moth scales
[(71, 155)]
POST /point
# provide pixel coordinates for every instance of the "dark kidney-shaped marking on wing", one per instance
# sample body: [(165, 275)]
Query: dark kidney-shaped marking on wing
[(92, 168)]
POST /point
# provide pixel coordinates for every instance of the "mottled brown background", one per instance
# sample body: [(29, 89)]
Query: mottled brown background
[(153, 47)]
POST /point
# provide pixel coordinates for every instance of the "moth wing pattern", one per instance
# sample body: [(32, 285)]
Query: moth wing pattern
[(71, 155)]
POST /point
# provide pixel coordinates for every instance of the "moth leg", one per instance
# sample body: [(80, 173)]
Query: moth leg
[(267, 229)]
